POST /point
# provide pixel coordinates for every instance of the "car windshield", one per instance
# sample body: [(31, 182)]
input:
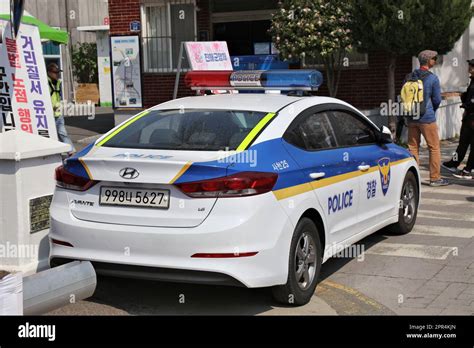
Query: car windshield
[(191, 129)]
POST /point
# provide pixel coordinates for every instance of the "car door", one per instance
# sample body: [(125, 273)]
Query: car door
[(311, 141), (372, 165)]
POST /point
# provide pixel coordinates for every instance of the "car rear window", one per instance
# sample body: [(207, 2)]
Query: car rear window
[(191, 129)]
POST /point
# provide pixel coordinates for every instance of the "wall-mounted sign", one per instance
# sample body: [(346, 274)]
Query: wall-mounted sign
[(103, 66), (126, 71), (25, 102), (260, 62), (135, 26), (39, 213), (208, 55), (261, 48)]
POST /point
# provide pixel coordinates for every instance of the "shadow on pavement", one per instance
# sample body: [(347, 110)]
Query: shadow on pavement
[(143, 297), (335, 263)]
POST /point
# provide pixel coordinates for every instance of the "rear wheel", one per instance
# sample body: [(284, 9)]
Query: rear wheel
[(303, 267), (408, 206)]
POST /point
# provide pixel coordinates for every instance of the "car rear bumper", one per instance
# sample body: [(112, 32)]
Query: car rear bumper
[(156, 273), (236, 226)]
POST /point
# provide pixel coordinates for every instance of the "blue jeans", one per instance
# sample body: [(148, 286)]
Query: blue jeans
[(62, 132)]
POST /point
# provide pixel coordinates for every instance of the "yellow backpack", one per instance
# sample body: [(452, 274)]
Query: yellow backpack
[(411, 96)]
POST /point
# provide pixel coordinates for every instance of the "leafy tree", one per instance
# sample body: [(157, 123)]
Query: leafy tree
[(84, 62), (314, 29), (406, 27)]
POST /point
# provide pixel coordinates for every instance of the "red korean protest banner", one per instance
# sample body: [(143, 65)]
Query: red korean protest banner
[(25, 102)]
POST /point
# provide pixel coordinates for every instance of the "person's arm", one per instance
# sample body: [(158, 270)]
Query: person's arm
[(463, 99), (436, 93), (464, 95)]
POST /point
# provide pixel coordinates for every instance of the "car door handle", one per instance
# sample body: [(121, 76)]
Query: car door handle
[(364, 167), (316, 176)]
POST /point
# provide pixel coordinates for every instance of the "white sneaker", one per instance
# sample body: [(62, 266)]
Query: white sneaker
[(463, 174)]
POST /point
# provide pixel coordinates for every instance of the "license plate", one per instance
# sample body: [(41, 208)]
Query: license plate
[(132, 197)]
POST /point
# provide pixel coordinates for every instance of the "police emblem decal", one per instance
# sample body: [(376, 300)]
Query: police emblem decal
[(384, 169)]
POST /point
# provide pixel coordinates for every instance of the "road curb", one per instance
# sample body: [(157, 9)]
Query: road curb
[(348, 301)]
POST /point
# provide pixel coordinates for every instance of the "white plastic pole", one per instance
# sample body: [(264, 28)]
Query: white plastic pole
[(58, 287), (178, 70)]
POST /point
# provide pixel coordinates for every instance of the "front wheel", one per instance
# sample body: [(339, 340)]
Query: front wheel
[(303, 267), (408, 206)]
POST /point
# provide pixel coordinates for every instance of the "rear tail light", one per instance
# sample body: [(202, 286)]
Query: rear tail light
[(237, 185), (71, 181)]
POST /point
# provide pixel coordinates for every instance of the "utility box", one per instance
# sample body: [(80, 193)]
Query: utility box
[(27, 164)]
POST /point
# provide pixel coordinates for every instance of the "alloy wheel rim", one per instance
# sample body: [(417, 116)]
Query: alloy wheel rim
[(305, 261), (409, 202)]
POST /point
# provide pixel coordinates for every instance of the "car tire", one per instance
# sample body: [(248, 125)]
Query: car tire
[(408, 206), (304, 266)]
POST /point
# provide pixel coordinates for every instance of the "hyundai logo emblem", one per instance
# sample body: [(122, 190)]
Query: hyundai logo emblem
[(129, 173)]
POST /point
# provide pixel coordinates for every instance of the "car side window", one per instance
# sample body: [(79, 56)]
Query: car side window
[(351, 130), (312, 132)]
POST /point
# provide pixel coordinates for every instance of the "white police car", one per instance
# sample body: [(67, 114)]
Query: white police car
[(247, 189)]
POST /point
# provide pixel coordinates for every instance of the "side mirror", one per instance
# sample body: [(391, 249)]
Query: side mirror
[(385, 136)]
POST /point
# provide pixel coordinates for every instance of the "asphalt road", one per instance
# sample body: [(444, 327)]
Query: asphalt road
[(429, 271)]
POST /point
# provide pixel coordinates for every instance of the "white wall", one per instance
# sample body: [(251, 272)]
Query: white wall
[(454, 77), (452, 72)]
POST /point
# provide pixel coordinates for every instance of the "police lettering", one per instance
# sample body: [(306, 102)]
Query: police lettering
[(340, 201), (143, 156)]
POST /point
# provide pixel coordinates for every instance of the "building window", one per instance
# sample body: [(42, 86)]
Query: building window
[(166, 25), (242, 5), (51, 48)]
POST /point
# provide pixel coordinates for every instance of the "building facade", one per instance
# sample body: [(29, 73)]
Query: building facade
[(244, 25), (68, 15), (452, 70)]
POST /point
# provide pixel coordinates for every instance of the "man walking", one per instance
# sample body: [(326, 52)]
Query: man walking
[(55, 92), (466, 137), (426, 124)]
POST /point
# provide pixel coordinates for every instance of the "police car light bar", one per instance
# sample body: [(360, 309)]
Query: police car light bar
[(285, 80)]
